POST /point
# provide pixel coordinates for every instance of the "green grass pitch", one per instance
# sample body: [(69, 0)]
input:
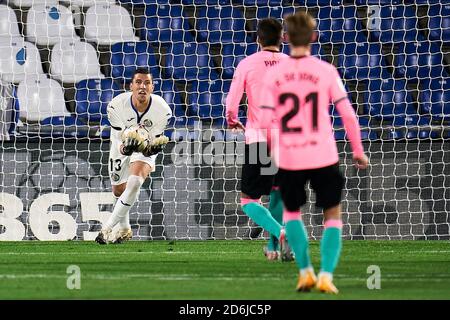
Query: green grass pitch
[(216, 270)]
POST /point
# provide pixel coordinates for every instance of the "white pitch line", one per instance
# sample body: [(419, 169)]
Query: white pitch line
[(123, 252)]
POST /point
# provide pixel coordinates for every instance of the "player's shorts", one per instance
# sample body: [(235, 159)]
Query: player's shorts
[(253, 183), (327, 182), (119, 164)]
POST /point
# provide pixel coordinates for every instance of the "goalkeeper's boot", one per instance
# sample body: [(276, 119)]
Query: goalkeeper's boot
[(285, 250), (103, 235), (306, 281), (325, 284), (122, 236)]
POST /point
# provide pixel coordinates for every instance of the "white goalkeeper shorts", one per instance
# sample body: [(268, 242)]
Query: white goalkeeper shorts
[(119, 164)]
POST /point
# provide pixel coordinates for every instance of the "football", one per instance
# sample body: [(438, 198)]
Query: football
[(138, 132)]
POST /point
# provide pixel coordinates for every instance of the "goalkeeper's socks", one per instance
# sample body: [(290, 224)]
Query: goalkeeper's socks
[(261, 216), (330, 245), (126, 201), (276, 209), (297, 238)]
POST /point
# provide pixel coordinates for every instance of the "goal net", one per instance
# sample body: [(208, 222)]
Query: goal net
[(61, 62)]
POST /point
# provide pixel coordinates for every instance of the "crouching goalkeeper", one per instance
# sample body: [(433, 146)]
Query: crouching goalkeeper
[(131, 159)]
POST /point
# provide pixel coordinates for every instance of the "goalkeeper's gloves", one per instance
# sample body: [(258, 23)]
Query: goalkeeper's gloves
[(156, 146), (129, 146)]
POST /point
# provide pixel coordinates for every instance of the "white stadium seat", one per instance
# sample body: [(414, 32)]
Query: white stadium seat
[(47, 25), (8, 23), (89, 3), (17, 59), (29, 3), (73, 61), (40, 98), (108, 24)]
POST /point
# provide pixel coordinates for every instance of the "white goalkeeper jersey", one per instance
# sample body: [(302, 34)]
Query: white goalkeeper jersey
[(122, 113)]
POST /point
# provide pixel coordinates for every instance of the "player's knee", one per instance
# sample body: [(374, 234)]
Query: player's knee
[(118, 190), (134, 183)]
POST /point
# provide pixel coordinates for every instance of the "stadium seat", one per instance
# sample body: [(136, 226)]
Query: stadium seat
[(89, 3), (73, 61), (318, 2), (232, 54), (389, 100), (209, 2), (269, 3), (8, 24), (168, 90), (362, 61), (108, 24), (419, 60), (439, 22), (339, 25), (216, 24), (47, 25), (166, 24), (29, 3), (189, 61), (434, 99), (40, 98), (127, 56), (17, 59), (92, 97), (208, 100), (376, 2), (394, 24)]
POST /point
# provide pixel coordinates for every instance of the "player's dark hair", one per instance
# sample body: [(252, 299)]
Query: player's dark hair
[(269, 32), (300, 28), (141, 71)]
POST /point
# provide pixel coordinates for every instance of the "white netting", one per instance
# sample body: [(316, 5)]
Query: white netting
[(61, 62)]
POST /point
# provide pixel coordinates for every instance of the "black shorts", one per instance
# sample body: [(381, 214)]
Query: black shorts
[(258, 172), (327, 183)]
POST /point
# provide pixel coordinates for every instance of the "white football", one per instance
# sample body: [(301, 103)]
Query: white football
[(138, 132)]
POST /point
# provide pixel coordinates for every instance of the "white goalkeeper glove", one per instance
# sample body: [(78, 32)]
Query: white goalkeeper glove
[(155, 146)]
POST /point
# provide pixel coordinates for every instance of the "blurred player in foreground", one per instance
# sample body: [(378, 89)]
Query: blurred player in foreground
[(298, 94), (247, 77), (130, 161)]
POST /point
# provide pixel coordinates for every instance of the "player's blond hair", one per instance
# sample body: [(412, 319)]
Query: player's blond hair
[(300, 28)]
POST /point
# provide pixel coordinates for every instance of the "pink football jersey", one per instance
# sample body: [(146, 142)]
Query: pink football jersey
[(248, 77), (296, 102)]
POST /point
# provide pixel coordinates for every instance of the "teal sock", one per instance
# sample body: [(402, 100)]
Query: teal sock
[(276, 209), (298, 241), (330, 248), (262, 217)]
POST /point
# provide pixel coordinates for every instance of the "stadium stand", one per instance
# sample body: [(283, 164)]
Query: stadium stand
[(393, 55)]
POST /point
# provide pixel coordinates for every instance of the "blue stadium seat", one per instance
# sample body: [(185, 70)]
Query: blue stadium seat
[(168, 90), (166, 24), (389, 100), (232, 54), (208, 99), (207, 2), (318, 2), (434, 98), (396, 24), (189, 61), (127, 56), (221, 25), (375, 2), (362, 61), (143, 2), (92, 97), (439, 22), (419, 60), (339, 25)]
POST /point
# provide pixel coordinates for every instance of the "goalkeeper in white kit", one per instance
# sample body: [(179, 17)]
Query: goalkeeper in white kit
[(138, 119)]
